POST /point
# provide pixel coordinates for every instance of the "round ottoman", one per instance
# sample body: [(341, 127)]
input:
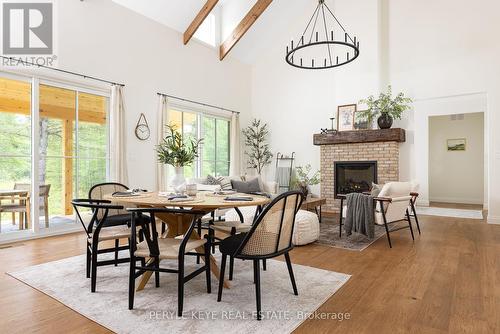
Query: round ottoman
[(248, 213), (306, 229)]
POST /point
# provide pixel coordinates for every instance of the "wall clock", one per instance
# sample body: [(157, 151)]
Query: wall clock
[(142, 131)]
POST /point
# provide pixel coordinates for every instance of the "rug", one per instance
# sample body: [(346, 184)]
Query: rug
[(329, 236), (447, 212), (155, 309)]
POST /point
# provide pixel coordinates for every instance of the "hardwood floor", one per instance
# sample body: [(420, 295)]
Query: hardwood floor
[(448, 281)]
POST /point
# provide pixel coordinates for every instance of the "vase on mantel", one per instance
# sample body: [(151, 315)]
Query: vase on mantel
[(384, 121), (178, 179)]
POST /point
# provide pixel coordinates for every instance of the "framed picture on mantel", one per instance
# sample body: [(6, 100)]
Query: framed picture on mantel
[(345, 117)]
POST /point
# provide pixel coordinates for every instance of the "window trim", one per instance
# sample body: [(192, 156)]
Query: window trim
[(200, 112)]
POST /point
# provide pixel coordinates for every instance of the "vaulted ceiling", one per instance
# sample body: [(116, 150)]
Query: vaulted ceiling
[(271, 27)]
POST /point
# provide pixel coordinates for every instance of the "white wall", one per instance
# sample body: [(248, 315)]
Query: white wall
[(440, 53), (104, 39), (456, 176), (297, 103)]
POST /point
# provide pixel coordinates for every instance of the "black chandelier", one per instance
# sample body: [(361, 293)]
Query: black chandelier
[(338, 51)]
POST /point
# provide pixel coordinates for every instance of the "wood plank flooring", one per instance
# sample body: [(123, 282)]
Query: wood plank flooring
[(447, 281)]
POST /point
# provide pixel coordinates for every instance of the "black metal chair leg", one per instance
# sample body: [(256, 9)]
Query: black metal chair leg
[(221, 277), (117, 244), (290, 272), (409, 223), (93, 276), (199, 233), (231, 267), (388, 236), (89, 256), (131, 283), (180, 287), (157, 273), (207, 267), (415, 215), (264, 264), (340, 218), (256, 269)]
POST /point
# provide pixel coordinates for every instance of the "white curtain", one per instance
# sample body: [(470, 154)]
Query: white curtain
[(235, 145), (118, 169), (160, 134)]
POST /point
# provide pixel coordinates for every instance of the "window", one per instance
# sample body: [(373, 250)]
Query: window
[(72, 150), (215, 132), (207, 31)]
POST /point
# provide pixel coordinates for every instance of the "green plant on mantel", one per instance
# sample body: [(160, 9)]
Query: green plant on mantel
[(385, 104), (176, 150)]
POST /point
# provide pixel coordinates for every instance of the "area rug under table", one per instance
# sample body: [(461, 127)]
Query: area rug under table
[(155, 309)]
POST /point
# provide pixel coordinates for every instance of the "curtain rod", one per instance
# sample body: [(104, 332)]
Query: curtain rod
[(200, 103), (62, 71)]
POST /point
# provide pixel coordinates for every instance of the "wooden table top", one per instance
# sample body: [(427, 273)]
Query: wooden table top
[(203, 200), (314, 201)]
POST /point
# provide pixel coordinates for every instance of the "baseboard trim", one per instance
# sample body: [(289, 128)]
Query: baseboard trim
[(456, 200), (493, 220)]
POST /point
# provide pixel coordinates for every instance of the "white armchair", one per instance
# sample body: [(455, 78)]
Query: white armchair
[(391, 206)]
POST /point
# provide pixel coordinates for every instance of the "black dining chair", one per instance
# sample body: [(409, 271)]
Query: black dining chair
[(97, 231), (155, 248), (270, 236)]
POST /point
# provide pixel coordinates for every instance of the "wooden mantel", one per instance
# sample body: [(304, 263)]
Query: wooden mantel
[(361, 136)]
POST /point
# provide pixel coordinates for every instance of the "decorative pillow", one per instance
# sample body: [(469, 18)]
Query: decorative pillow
[(222, 181), (212, 180), (376, 188), (249, 178), (246, 187), (225, 183)]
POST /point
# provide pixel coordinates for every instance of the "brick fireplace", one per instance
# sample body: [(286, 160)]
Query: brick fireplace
[(380, 146)]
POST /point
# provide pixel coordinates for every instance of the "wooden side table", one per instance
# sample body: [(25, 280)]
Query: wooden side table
[(314, 203)]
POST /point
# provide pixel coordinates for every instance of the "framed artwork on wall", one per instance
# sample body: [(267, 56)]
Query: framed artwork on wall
[(360, 122), (345, 117), (458, 144)]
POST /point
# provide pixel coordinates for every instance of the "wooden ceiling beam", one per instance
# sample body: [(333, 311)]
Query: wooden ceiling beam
[(245, 24), (198, 20)]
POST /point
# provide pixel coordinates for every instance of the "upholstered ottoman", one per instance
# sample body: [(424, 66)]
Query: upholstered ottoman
[(305, 231), (248, 213)]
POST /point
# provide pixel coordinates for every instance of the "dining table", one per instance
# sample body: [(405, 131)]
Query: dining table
[(204, 201)]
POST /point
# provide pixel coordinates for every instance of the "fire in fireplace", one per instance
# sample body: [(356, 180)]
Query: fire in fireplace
[(354, 176)]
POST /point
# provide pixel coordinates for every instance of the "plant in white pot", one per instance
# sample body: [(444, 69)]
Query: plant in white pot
[(303, 179), (178, 151), (385, 107)]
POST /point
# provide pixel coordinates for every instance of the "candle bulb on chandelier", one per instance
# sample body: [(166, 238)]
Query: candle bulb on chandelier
[(332, 36), (317, 36)]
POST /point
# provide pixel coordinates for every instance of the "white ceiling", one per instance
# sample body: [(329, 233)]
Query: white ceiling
[(271, 27)]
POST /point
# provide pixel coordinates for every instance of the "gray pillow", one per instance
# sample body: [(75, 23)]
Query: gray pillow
[(246, 187)]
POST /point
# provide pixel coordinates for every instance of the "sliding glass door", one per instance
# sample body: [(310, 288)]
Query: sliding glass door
[(15, 153), (72, 138)]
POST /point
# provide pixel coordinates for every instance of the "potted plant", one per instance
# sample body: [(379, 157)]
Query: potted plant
[(258, 153), (385, 107), (303, 179), (178, 151)]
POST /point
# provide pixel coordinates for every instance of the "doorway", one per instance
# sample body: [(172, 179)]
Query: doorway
[(457, 161)]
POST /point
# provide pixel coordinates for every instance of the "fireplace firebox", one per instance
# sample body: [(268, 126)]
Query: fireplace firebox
[(354, 176)]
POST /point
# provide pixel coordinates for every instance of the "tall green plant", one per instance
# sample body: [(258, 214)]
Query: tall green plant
[(176, 150), (385, 104), (258, 153)]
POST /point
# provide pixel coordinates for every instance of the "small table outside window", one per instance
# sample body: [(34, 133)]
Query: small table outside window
[(314, 203)]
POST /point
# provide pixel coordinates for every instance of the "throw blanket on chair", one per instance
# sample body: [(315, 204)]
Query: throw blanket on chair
[(360, 215)]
